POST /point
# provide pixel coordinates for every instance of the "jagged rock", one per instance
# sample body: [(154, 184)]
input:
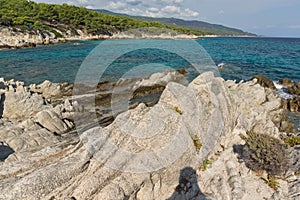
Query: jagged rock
[(143, 154), (255, 107), (22, 104), (264, 81), (51, 90), (293, 104), (280, 119), (162, 79), (286, 126), (287, 82), (294, 189), (295, 89), (52, 121)]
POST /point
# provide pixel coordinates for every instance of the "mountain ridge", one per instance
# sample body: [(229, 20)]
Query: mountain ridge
[(210, 28)]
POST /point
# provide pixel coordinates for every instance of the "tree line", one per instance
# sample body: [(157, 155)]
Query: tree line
[(40, 16)]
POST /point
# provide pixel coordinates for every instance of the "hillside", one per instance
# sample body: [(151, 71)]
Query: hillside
[(26, 15), (205, 27)]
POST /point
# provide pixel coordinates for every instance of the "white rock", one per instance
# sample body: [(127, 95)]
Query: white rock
[(22, 104), (51, 121)]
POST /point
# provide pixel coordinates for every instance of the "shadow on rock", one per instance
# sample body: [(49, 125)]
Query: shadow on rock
[(5, 151), (188, 188), (2, 98)]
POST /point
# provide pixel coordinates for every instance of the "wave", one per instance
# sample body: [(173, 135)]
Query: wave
[(282, 91)]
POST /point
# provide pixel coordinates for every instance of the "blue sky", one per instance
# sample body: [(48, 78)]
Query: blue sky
[(263, 17)]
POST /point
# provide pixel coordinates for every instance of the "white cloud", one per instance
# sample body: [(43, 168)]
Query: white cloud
[(133, 2), (83, 1), (116, 6), (171, 1), (171, 9), (154, 10), (189, 13)]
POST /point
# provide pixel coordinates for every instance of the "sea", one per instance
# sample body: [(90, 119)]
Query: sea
[(234, 58), (237, 58)]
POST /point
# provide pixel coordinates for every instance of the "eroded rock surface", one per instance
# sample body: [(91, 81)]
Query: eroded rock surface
[(108, 162), (295, 89)]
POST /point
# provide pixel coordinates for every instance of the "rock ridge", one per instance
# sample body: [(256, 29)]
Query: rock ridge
[(52, 161)]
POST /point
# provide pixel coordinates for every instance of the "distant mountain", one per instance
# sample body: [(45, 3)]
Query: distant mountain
[(214, 29)]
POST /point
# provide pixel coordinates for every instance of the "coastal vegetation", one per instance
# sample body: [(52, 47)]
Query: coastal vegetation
[(270, 181), (292, 141), (176, 109), (263, 152), (26, 14), (196, 141), (205, 164)]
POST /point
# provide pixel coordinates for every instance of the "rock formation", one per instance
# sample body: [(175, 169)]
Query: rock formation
[(295, 89), (11, 37), (292, 103), (146, 152), (286, 82), (265, 82), (16, 38)]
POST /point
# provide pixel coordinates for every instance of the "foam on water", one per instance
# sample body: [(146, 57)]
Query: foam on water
[(277, 85), (282, 91)]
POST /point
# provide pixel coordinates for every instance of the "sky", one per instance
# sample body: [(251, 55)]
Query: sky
[(279, 18)]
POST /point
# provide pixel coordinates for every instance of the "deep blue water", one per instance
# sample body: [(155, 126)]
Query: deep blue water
[(242, 58)]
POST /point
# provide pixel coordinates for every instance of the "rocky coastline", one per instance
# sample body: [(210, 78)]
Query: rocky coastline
[(44, 157), (292, 103), (16, 38)]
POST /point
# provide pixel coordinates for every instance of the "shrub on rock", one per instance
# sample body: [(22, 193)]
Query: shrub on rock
[(264, 152)]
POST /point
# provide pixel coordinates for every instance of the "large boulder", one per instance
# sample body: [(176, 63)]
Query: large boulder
[(293, 104), (295, 89), (264, 81), (162, 78), (286, 82), (52, 121)]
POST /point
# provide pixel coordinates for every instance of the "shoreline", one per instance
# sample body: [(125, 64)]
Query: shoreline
[(118, 37), (14, 38)]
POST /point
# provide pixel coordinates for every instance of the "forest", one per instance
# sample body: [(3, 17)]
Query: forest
[(26, 14)]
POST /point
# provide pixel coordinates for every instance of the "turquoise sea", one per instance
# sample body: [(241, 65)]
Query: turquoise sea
[(241, 59)]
